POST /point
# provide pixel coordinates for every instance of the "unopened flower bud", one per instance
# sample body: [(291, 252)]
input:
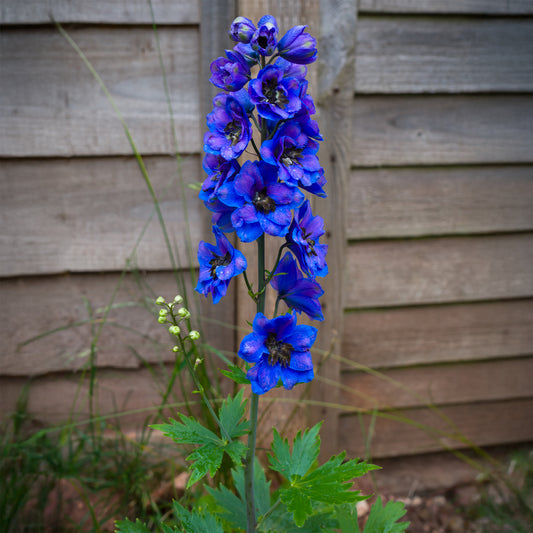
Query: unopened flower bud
[(162, 319), (194, 335), (163, 312), (175, 330), (184, 313), (197, 362), (178, 299), (160, 300), (175, 349)]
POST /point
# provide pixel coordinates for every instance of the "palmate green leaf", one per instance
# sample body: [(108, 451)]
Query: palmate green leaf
[(385, 519), (231, 415), (305, 450), (330, 483), (208, 457), (188, 431), (231, 508), (261, 487), (196, 522), (125, 526), (237, 374)]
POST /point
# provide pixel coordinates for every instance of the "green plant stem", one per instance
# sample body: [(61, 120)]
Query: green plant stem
[(254, 404)]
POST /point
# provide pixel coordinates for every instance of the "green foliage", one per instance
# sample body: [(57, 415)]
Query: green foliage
[(385, 519), (196, 522), (236, 374), (125, 526), (329, 484), (208, 456)]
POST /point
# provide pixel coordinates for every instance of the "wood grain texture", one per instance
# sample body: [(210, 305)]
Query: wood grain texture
[(445, 55), (439, 384), (100, 11), (52, 398), (52, 105), (481, 7), (485, 424), (409, 202), (432, 334), (87, 215), (131, 335), (439, 270), (418, 130)]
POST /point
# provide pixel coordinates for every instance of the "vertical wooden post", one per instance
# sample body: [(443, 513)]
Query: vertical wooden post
[(336, 74)]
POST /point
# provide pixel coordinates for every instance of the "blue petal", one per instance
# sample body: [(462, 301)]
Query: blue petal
[(252, 347)]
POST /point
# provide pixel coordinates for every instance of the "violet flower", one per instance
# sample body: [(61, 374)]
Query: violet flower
[(280, 350), (297, 46)]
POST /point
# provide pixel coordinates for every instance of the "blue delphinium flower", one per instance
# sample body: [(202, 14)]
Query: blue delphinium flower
[(218, 264), (231, 73), (275, 96), (229, 128), (265, 37), (294, 153), (242, 30), (280, 349), (262, 205), (302, 238), (218, 170), (299, 293), (297, 46)]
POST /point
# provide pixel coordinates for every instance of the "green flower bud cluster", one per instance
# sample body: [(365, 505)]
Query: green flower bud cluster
[(168, 315)]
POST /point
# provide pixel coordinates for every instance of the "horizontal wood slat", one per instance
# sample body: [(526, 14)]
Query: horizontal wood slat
[(481, 7), (412, 55), (431, 201), (439, 384), (60, 398), (88, 214), (52, 106), (484, 424), (426, 130), (421, 335), (36, 305), (103, 11), (439, 270)]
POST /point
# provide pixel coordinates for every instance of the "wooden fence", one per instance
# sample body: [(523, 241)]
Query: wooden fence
[(427, 113)]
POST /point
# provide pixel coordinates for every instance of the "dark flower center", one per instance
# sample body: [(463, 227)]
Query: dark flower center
[(262, 41), (291, 156), (233, 132), (310, 242), (263, 203), (274, 94), (219, 260), (278, 351)]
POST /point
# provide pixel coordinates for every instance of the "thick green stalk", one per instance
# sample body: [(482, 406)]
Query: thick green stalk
[(254, 403)]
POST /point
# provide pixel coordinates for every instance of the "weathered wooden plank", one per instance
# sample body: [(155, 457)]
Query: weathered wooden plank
[(481, 7), (439, 384), (432, 334), (52, 106), (100, 11), (413, 55), (485, 424), (131, 335), (439, 270), (431, 201), (61, 398), (88, 215), (403, 130)]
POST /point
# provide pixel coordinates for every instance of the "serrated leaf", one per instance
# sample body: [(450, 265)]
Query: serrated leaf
[(188, 431), (232, 508), (231, 415), (385, 519), (261, 487), (194, 522), (330, 483), (237, 374), (305, 450), (125, 526), (205, 459), (235, 450)]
